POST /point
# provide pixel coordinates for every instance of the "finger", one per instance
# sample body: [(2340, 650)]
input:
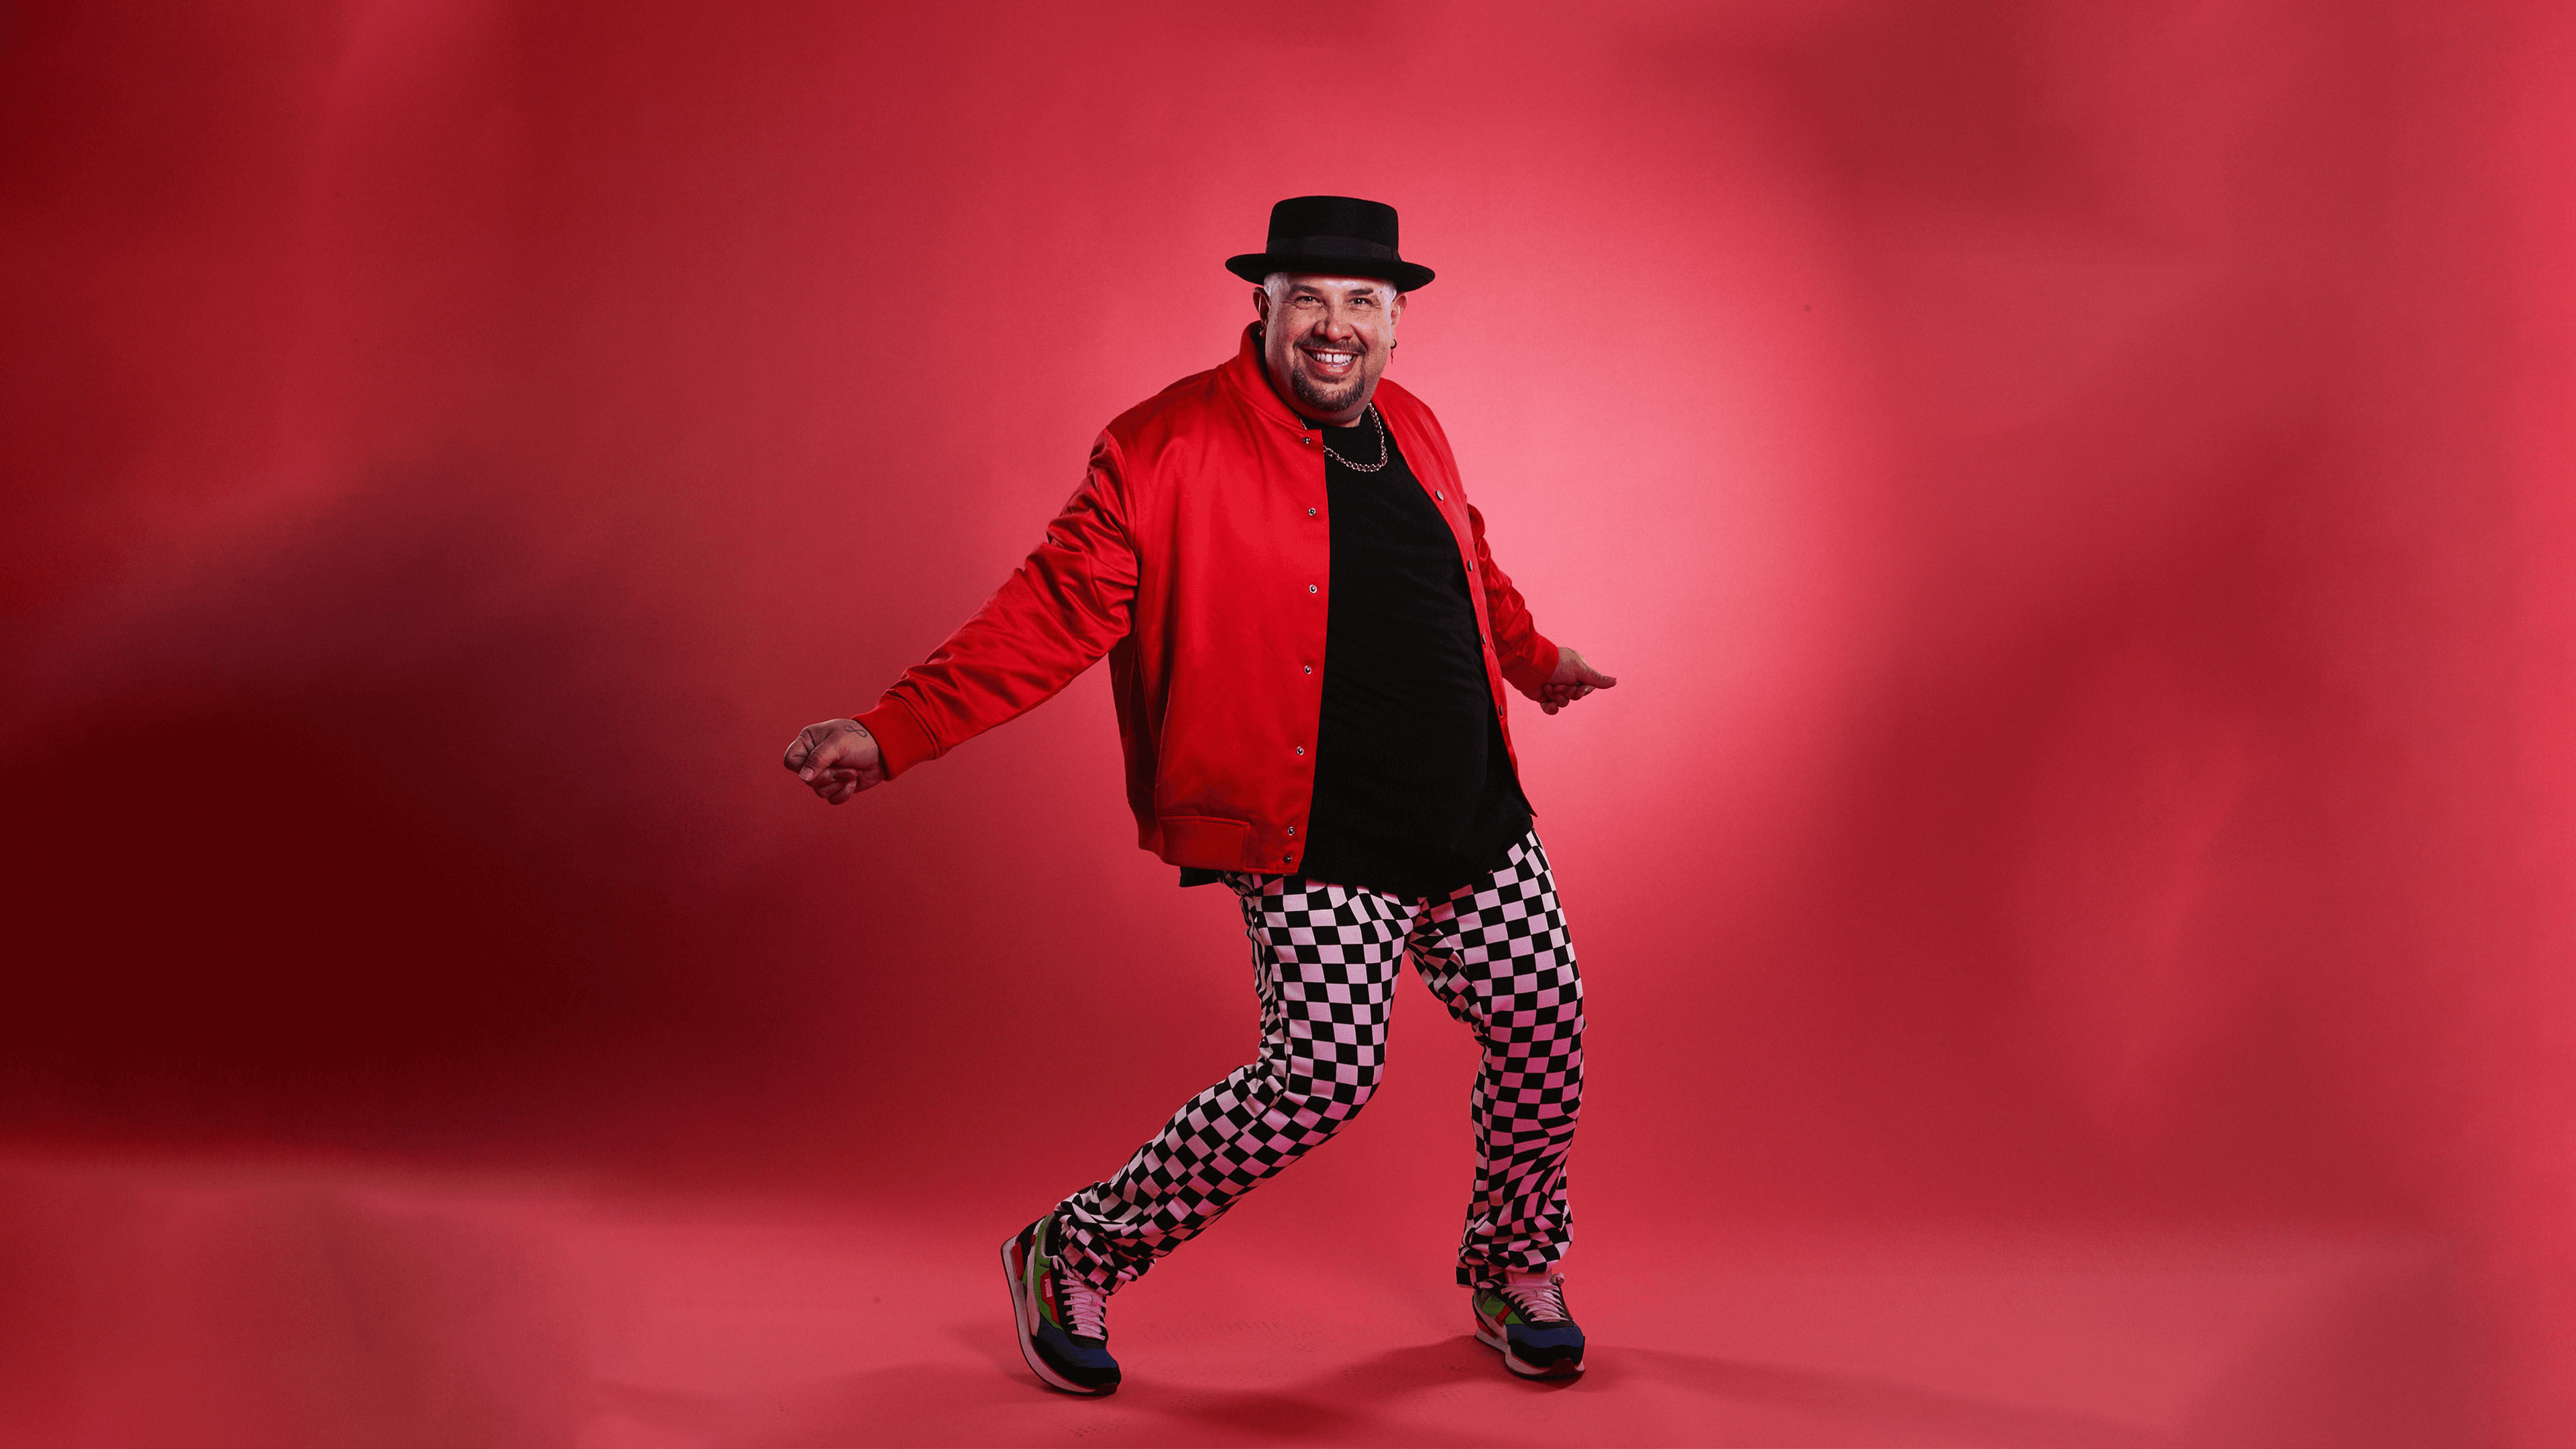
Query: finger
[(822, 746), (828, 754)]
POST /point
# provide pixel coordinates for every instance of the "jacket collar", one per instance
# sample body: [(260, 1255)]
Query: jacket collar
[(1250, 376)]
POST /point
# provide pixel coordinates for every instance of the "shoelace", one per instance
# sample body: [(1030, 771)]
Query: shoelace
[(1541, 1300), (1086, 1308)]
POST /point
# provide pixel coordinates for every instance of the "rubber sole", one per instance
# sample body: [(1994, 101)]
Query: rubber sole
[(1024, 1311), (1495, 1339)]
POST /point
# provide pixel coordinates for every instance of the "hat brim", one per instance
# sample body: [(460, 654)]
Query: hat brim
[(1253, 266)]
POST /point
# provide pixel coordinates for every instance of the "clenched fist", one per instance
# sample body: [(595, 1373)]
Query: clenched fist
[(838, 758)]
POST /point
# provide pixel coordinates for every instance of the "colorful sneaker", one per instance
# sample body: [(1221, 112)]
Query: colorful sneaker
[(1064, 1321), (1525, 1317)]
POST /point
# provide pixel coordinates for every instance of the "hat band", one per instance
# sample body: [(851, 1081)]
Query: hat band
[(1331, 246)]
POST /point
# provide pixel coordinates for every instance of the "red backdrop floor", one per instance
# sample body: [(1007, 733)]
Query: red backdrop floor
[(214, 1305)]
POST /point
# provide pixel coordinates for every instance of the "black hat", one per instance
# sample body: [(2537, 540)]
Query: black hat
[(1336, 236)]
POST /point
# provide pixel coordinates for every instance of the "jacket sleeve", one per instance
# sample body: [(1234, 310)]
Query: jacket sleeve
[(1527, 656), (1053, 618)]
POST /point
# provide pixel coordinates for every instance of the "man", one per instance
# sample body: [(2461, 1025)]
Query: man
[(1308, 641)]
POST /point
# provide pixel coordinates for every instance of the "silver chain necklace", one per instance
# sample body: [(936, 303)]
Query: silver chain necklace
[(1383, 452)]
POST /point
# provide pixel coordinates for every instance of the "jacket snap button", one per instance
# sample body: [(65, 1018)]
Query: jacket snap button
[(1310, 588), (1301, 749), (1292, 829), (1443, 497), (1310, 513), (1310, 669), (1309, 442)]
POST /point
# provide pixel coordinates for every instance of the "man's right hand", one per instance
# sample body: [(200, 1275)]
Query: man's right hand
[(838, 758)]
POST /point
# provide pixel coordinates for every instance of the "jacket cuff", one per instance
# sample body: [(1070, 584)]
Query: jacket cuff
[(1528, 677), (901, 741)]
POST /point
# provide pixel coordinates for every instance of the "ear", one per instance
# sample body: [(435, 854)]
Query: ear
[(1395, 308), (1261, 302)]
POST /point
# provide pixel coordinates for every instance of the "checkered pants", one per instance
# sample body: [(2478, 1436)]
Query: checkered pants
[(1324, 960)]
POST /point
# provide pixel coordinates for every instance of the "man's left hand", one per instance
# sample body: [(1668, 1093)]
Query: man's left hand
[(1572, 680)]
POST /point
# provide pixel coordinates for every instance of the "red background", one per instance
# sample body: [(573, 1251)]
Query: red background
[(2077, 497)]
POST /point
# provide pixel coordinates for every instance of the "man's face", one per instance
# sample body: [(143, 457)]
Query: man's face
[(1326, 340)]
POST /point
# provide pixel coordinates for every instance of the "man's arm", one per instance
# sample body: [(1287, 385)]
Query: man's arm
[(1053, 618), (1547, 672)]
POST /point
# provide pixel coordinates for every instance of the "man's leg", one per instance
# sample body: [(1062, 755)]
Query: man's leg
[(1324, 960), (1497, 955)]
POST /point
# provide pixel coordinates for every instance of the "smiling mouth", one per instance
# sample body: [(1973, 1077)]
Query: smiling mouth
[(1331, 360)]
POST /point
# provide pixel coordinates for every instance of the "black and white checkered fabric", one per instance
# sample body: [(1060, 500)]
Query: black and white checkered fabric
[(1325, 959)]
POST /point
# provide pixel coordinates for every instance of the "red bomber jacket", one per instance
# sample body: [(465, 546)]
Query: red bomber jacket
[(1197, 554)]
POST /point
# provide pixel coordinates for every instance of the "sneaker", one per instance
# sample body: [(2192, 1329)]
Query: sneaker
[(1064, 1321), (1527, 1320)]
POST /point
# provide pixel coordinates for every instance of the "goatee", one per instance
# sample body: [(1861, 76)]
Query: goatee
[(1317, 400)]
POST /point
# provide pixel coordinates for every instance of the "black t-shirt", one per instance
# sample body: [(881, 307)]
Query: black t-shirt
[(1414, 790)]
